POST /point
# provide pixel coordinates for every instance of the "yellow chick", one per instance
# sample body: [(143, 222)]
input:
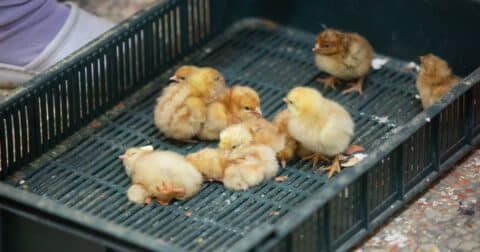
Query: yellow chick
[(179, 115), (210, 162), (163, 175), (205, 83), (346, 56), (434, 80), (235, 105), (290, 147), (321, 125), (262, 132), (248, 164)]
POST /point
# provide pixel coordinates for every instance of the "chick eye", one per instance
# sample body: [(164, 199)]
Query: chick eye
[(182, 78), (235, 146), (247, 108), (217, 78)]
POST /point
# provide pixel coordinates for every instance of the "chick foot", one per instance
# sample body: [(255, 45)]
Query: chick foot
[(316, 157), (328, 82), (334, 167), (169, 191), (355, 87)]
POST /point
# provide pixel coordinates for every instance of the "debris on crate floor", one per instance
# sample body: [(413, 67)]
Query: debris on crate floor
[(445, 218)]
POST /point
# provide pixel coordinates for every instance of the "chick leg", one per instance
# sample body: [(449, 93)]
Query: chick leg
[(328, 82), (355, 87), (167, 191), (334, 167), (316, 157)]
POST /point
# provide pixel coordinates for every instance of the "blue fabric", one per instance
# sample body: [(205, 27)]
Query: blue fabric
[(27, 27)]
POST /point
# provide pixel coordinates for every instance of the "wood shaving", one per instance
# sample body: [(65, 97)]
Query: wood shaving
[(281, 178), (94, 124), (354, 149), (412, 66), (355, 159), (188, 213), (378, 63)]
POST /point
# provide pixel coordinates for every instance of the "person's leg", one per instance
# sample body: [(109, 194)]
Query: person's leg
[(27, 27), (35, 34)]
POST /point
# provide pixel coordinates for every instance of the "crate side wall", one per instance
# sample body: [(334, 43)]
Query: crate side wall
[(476, 111), (65, 99)]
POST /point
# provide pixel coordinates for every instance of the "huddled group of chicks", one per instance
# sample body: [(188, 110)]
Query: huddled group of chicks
[(199, 105)]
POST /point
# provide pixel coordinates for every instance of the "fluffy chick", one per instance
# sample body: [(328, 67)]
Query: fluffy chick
[(235, 105), (178, 114), (345, 56), (290, 147), (163, 175), (321, 125), (206, 83), (210, 162), (262, 132), (248, 164), (434, 80)]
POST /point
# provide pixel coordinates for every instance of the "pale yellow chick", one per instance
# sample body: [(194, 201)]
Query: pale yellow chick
[(321, 125), (262, 132), (248, 164), (163, 175), (345, 56), (434, 80), (210, 162), (235, 105)]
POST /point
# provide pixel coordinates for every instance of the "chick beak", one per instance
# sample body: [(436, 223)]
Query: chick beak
[(121, 157), (285, 99), (174, 78), (315, 48), (258, 112)]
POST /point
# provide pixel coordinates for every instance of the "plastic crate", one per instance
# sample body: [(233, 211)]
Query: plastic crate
[(60, 136)]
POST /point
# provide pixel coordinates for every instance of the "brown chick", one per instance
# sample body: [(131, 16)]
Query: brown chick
[(235, 105), (345, 56), (322, 126), (248, 164), (290, 148), (164, 175), (434, 80), (210, 162)]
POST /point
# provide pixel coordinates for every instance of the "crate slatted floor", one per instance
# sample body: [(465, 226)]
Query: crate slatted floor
[(90, 178)]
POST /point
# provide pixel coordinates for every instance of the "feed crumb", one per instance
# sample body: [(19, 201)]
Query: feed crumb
[(281, 178)]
